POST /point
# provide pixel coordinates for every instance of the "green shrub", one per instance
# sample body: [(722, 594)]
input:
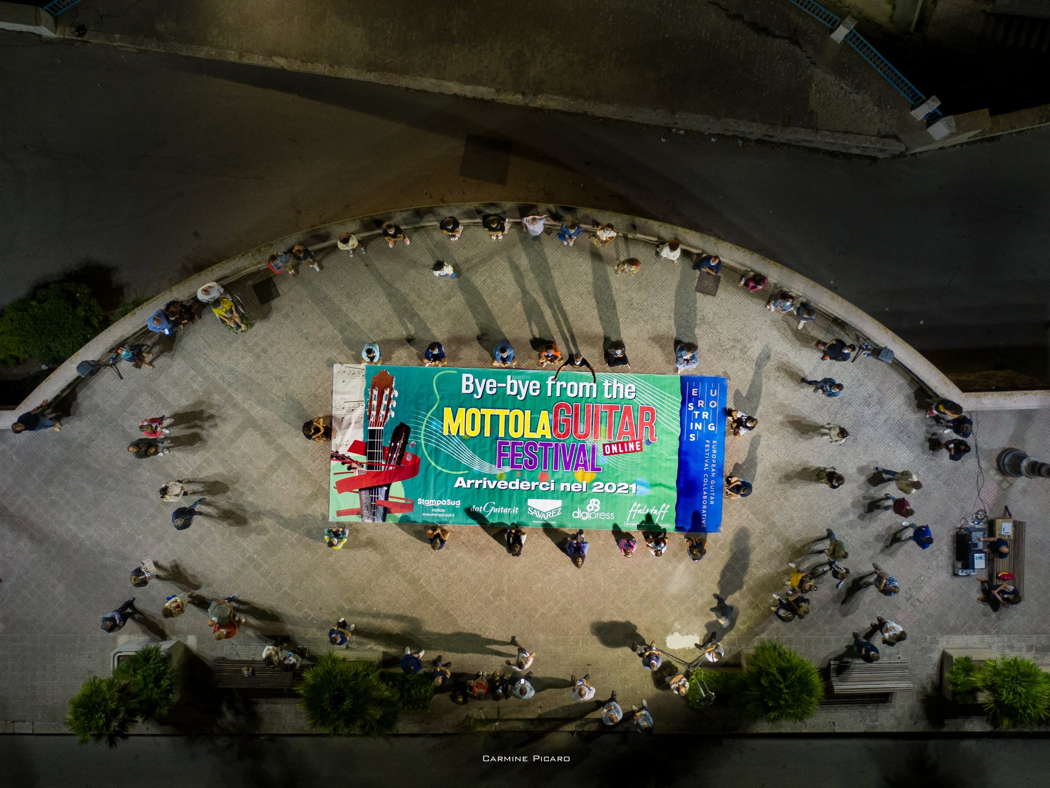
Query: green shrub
[(780, 685), (345, 697), (962, 680), (1019, 691), (150, 682), (50, 324), (414, 690), (100, 711)]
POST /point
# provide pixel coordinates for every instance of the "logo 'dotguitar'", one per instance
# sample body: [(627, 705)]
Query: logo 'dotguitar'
[(544, 508)]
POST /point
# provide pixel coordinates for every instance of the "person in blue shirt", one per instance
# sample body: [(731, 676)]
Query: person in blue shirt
[(920, 534), (709, 264), (568, 233), (829, 387), (576, 548), (997, 546), (158, 323), (865, 649), (737, 487), (652, 659), (503, 355), (434, 355), (340, 634), (412, 660)]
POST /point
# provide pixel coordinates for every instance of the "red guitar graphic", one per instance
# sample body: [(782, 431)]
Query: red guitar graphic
[(383, 465)]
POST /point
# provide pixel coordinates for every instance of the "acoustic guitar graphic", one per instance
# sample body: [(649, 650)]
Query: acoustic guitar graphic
[(383, 465)]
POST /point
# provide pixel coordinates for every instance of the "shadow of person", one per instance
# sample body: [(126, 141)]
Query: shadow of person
[(735, 568), (191, 416), (255, 611), (185, 441), (496, 530), (804, 428), (616, 634), (229, 516), (417, 531), (749, 402), (649, 525), (557, 536), (618, 533), (148, 623), (176, 575), (212, 487)]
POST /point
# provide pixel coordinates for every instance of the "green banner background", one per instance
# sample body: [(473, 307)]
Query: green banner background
[(629, 489)]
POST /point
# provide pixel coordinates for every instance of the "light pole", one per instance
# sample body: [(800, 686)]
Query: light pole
[(1014, 462)]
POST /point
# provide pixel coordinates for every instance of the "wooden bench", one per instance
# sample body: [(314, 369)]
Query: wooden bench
[(856, 677), (1014, 562), (252, 674)]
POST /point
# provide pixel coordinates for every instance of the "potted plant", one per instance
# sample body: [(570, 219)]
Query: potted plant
[(778, 684), (347, 697), (101, 711)]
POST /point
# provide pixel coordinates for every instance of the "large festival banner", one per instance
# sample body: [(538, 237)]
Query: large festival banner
[(459, 446)]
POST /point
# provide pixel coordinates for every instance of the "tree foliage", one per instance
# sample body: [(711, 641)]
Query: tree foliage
[(1018, 691), (780, 685), (346, 697), (50, 324), (962, 679), (100, 711), (150, 682)]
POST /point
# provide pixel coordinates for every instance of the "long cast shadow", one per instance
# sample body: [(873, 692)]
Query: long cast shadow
[(616, 634), (541, 270), (604, 299), (412, 323), (750, 401), (685, 305)]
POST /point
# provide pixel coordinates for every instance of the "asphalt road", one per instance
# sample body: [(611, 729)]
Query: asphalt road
[(600, 759), (147, 167)]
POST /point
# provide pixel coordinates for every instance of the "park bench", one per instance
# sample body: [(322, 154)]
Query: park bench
[(252, 674), (1012, 531), (855, 678)]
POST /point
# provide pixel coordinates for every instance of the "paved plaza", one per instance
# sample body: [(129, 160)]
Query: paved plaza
[(77, 512)]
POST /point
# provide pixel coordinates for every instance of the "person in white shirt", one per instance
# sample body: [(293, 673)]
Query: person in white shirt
[(582, 689), (669, 250), (604, 234), (349, 243), (892, 632), (534, 223)]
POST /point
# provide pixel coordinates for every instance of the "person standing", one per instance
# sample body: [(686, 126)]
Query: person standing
[(523, 689), (393, 235), (582, 689), (678, 684), (339, 635), (159, 323), (736, 487), (148, 447), (838, 571), (349, 243), (515, 541), (173, 606), (656, 542), (712, 650), (172, 492), (962, 426), (884, 583), (836, 548), (696, 546), (865, 649), (451, 227), (611, 712), (627, 545), (576, 548), (957, 448), (829, 387), (831, 477), (900, 506), (115, 619), (805, 314), (892, 632), (576, 360), (997, 546), (437, 536), (156, 426), (140, 576), (616, 355), (443, 270), (568, 233), (685, 357), (740, 422), (651, 656), (920, 534), (835, 433), (523, 659), (907, 482), (670, 250), (642, 718), (503, 355), (781, 302), (182, 517), (534, 224), (370, 353)]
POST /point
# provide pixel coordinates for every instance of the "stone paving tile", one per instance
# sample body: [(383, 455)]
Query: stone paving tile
[(77, 513)]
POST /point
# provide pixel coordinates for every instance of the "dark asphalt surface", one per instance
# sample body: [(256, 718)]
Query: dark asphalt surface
[(608, 759), (149, 167)]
